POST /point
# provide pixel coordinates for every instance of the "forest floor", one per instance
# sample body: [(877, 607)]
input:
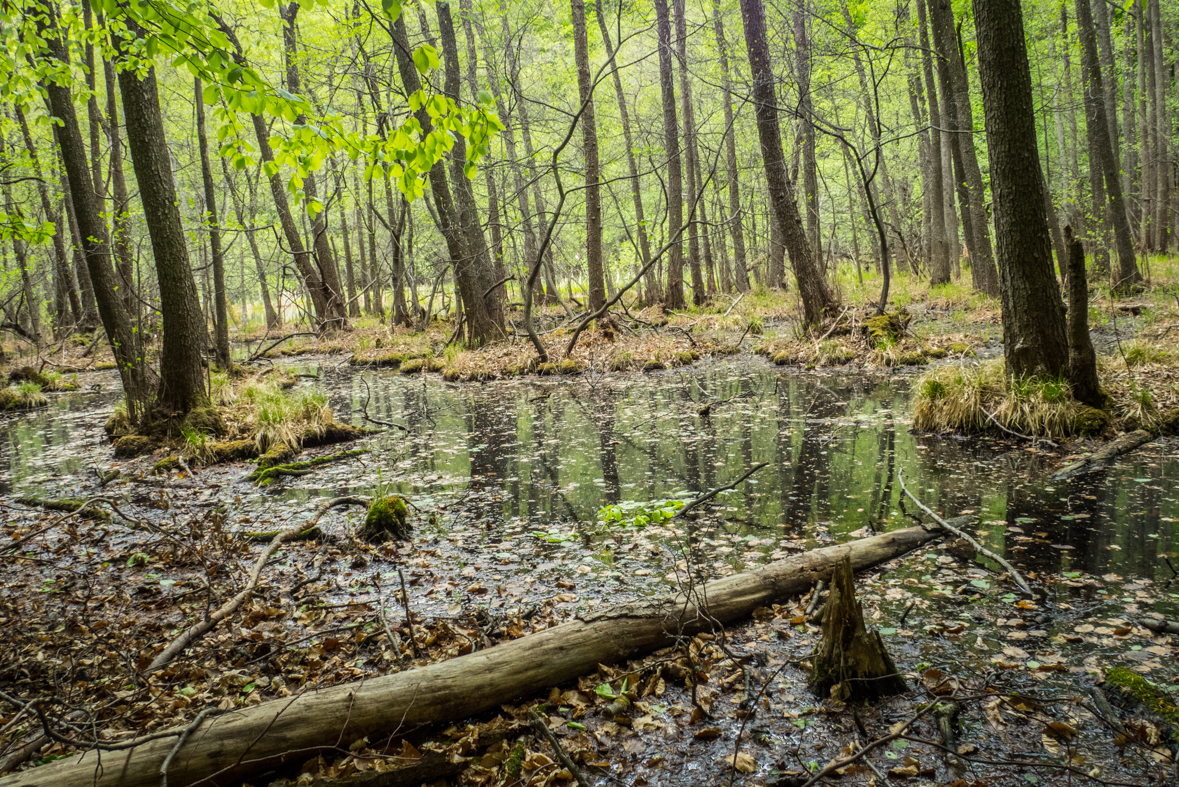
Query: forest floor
[(88, 601)]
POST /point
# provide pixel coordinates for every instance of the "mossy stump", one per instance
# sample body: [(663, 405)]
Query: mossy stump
[(850, 662), (387, 519), (205, 420), (886, 329)]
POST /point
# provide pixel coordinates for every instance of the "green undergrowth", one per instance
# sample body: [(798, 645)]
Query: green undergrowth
[(387, 518), (23, 396)]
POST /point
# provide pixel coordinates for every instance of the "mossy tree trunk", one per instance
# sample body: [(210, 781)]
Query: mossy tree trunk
[(851, 662)]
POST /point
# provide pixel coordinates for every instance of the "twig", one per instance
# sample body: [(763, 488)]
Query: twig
[(734, 306), (413, 638), (814, 598), (457, 327), (369, 418), (708, 496), (1015, 575), (846, 761), (501, 281), (180, 742), (570, 766), (276, 343), (198, 630)]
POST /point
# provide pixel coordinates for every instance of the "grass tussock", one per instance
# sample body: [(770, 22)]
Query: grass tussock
[(980, 398)]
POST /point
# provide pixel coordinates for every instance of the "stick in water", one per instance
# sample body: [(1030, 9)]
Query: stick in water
[(1015, 575)]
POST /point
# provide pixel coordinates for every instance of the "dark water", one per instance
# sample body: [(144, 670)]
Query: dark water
[(545, 455)]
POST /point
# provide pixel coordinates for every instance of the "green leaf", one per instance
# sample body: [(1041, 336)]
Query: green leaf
[(604, 690), (421, 60), (485, 97), (981, 584), (392, 8)]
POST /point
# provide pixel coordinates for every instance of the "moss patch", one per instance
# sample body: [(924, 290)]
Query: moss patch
[(1135, 694), (569, 366), (387, 518), (1090, 421), (413, 366), (205, 420), (118, 425), (134, 445), (654, 365), (15, 399), (546, 368), (886, 329), (27, 374), (1170, 423), (332, 433)]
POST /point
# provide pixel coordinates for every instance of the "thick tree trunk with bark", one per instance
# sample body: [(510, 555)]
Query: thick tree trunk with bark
[(254, 739), (589, 137), (182, 378), (673, 295), (740, 270), (1034, 342), (213, 227), (817, 300)]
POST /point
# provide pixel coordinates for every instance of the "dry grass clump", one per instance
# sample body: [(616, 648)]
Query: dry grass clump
[(979, 398), (264, 409)]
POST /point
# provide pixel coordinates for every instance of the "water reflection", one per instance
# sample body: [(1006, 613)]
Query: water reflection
[(543, 451)]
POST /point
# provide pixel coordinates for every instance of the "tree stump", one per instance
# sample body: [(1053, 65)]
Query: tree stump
[(850, 662)]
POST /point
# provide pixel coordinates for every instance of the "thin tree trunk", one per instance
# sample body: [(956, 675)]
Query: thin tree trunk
[(121, 236), (1076, 189), (212, 224), (488, 322), (673, 295), (961, 123), (1033, 315), (939, 263), (1098, 129), (1129, 121), (817, 301), (740, 271), (353, 299), (691, 151), (67, 292), (651, 285), (589, 136), (1162, 132), (810, 176), (250, 231)]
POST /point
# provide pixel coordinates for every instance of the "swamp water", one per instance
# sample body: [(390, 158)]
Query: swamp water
[(525, 487)]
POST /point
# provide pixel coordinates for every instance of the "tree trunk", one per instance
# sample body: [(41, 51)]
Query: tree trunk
[(589, 136), (939, 263), (329, 272), (350, 271), (740, 271), (1076, 190), (1082, 360), (92, 231), (810, 167), (1129, 122), (817, 301), (1033, 315), (673, 295), (1098, 129), (691, 153), (254, 739), (182, 379), (121, 236), (961, 123), (67, 294), (1162, 133), (636, 191), (210, 220), (272, 320)]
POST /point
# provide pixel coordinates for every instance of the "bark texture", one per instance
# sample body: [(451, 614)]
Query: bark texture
[(1034, 341)]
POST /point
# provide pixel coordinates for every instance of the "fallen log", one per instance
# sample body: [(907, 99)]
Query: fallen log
[(241, 742), (1111, 450)]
